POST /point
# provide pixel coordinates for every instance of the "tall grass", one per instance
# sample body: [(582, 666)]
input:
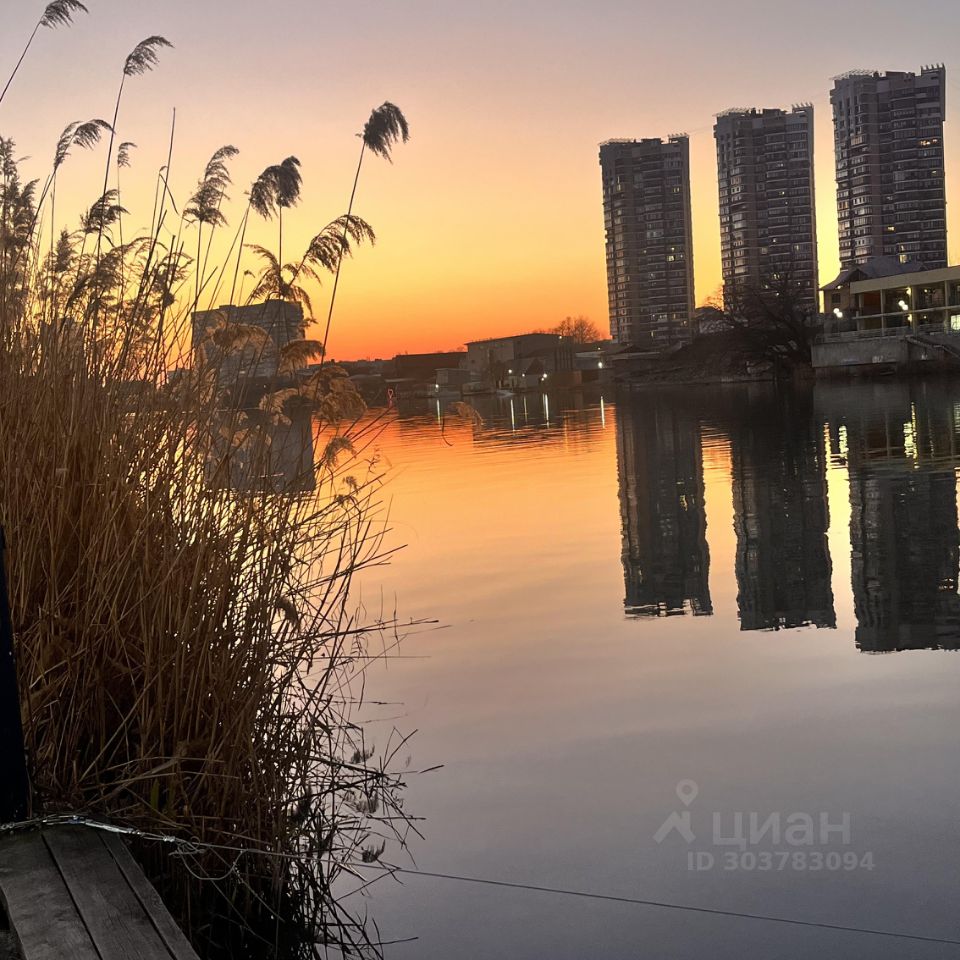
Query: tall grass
[(190, 658)]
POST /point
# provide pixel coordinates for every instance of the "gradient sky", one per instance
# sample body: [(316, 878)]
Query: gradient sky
[(490, 219)]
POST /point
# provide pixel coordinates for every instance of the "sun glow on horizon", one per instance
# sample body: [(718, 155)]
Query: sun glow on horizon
[(490, 220)]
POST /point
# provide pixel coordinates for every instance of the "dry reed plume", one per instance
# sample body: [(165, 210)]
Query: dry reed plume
[(189, 657)]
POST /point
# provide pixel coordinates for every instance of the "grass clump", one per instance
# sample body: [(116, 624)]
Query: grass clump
[(182, 543)]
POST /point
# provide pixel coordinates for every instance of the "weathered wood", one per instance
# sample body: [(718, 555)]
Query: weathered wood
[(41, 911), (77, 892), (118, 925), (172, 935)]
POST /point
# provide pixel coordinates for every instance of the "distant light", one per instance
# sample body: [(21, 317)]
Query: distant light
[(904, 305), (544, 377), (600, 365), (436, 386), (838, 313), (510, 371)]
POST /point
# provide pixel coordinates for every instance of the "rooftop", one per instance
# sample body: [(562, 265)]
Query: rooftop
[(873, 270), (514, 336)]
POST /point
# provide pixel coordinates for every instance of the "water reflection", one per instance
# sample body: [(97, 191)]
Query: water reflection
[(263, 446), (531, 418), (549, 548), (897, 443), (899, 446), (666, 562), (900, 451), (778, 472)]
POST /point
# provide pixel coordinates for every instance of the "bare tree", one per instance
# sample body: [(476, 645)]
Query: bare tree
[(580, 329), (777, 316)]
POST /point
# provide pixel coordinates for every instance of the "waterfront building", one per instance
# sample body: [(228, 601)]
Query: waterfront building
[(888, 314), (649, 241), (768, 227), (423, 367), (891, 196), (283, 322), (524, 360), (885, 297)]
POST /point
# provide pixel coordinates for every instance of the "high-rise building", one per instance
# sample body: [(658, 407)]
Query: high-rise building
[(649, 241), (891, 199), (282, 322), (768, 228)]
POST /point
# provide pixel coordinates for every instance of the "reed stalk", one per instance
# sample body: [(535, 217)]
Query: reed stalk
[(190, 656)]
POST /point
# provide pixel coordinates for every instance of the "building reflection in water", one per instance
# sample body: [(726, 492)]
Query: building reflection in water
[(778, 462), (901, 450), (898, 443), (261, 450), (666, 561)]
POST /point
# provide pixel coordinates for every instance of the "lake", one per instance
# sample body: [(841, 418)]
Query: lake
[(695, 647)]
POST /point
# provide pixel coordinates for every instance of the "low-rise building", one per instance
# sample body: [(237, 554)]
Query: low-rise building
[(522, 361), (885, 297), (593, 360), (452, 379), (887, 315), (423, 367), (414, 375)]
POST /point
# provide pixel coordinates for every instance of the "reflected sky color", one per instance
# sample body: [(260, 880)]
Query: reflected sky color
[(565, 713), (490, 221)]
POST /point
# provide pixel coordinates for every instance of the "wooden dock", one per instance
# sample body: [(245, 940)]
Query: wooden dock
[(76, 892)]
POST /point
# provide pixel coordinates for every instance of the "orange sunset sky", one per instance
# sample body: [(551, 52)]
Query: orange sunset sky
[(490, 219)]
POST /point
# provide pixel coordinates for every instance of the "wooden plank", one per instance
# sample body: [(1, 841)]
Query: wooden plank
[(41, 911), (177, 943), (111, 912)]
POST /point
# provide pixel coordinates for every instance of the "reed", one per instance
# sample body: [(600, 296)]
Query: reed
[(190, 657)]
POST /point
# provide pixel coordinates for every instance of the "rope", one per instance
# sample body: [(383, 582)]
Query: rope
[(665, 905), (194, 847)]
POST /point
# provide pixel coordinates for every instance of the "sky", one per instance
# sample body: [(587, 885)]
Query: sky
[(489, 221)]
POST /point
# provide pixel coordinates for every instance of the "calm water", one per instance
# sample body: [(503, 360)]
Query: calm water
[(753, 591)]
